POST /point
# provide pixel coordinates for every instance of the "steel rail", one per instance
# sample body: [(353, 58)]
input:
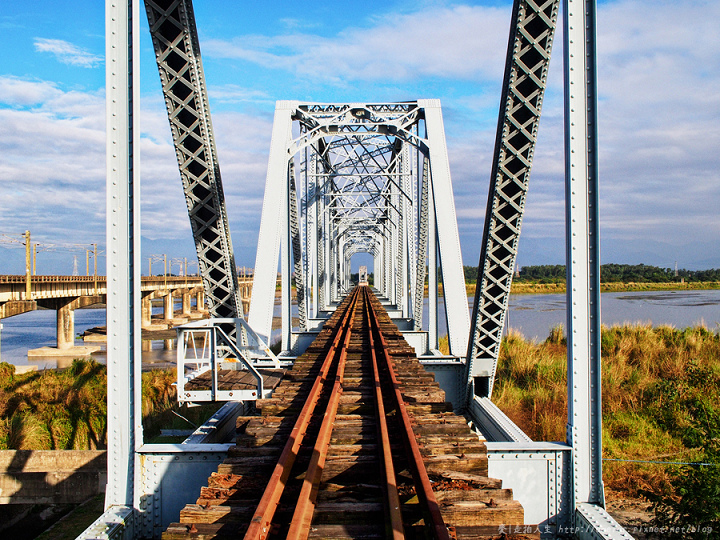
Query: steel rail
[(422, 482), (259, 527), (305, 506), (393, 499)]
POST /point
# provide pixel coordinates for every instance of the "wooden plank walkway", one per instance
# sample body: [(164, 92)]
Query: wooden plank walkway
[(230, 379)]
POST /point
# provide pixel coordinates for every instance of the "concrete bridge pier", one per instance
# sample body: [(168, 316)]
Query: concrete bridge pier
[(65, 324), (186, 303), (200, 300), (168, 306), (146, 309)]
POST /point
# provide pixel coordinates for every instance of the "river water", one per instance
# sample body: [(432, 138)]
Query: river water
[(532, 314)]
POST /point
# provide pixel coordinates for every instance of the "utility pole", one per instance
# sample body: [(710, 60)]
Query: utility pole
[(95, 268), (165, 272), (34, 254), (28, 247)]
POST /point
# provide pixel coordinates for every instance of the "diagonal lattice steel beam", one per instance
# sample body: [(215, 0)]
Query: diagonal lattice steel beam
[(297, 248), (423, 242), (177, 51), (531, 36)]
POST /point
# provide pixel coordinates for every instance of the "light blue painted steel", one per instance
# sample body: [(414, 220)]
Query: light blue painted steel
[(116, 523), (584, 430), (448, 239), (172, 475), (123, 250), (539, 475), (532, 30), (592, 522), (177, 50), (266, 262), (496, 426)]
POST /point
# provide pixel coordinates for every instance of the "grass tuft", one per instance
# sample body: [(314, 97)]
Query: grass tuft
[(67, 410), (657, 382)]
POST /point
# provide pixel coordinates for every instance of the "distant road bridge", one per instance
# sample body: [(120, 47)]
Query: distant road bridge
[(65, 294)]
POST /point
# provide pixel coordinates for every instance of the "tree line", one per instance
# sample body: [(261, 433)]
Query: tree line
[(619, 273)]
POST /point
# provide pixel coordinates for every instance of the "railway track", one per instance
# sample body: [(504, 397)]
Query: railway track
[(356, 442)]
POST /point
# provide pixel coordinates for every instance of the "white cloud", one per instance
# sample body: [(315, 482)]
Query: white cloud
[(53, 167), (659, 76), (18, 92), (466, 42), (67, 53), (232, 93)]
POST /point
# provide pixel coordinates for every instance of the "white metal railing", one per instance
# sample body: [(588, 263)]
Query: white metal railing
[(207, 346)]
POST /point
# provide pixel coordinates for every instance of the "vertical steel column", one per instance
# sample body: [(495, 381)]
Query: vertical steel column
[(298, 247), (393, 249), (379, 266), (399, 245), (413, 219), (341, 263), (334, 260), (321, 258), (387, 253), (421, 267), (584, 430), (122, 47), (312, 227), (285, 258), (408, 264)]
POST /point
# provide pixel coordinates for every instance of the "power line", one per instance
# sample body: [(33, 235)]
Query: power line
[(18, 241), (665, 462)]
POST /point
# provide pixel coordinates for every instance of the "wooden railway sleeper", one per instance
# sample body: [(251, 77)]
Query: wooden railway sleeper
[(260, 525)]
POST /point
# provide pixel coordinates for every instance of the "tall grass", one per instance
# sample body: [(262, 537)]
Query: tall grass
[(655, 380), (67, 410)]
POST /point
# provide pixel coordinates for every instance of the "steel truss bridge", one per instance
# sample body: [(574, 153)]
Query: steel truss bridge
[(374, 178)]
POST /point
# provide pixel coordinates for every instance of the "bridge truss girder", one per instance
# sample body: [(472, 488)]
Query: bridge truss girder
[(365, 177), (531, 36), (177, 52)]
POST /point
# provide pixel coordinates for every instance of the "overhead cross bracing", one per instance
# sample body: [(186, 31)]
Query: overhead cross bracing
[(359, 178)]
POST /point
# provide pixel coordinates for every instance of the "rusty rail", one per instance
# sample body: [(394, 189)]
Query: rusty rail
[(417, 466), (393, 499), (302, 517), (260, 525)]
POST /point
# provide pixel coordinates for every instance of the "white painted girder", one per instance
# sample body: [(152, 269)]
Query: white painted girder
[(266, 261), (456, 303)]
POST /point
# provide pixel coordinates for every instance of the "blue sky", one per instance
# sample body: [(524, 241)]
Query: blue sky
[(659, 76)]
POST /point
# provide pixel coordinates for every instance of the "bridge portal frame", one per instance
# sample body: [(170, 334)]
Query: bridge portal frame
[(333, 205)]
